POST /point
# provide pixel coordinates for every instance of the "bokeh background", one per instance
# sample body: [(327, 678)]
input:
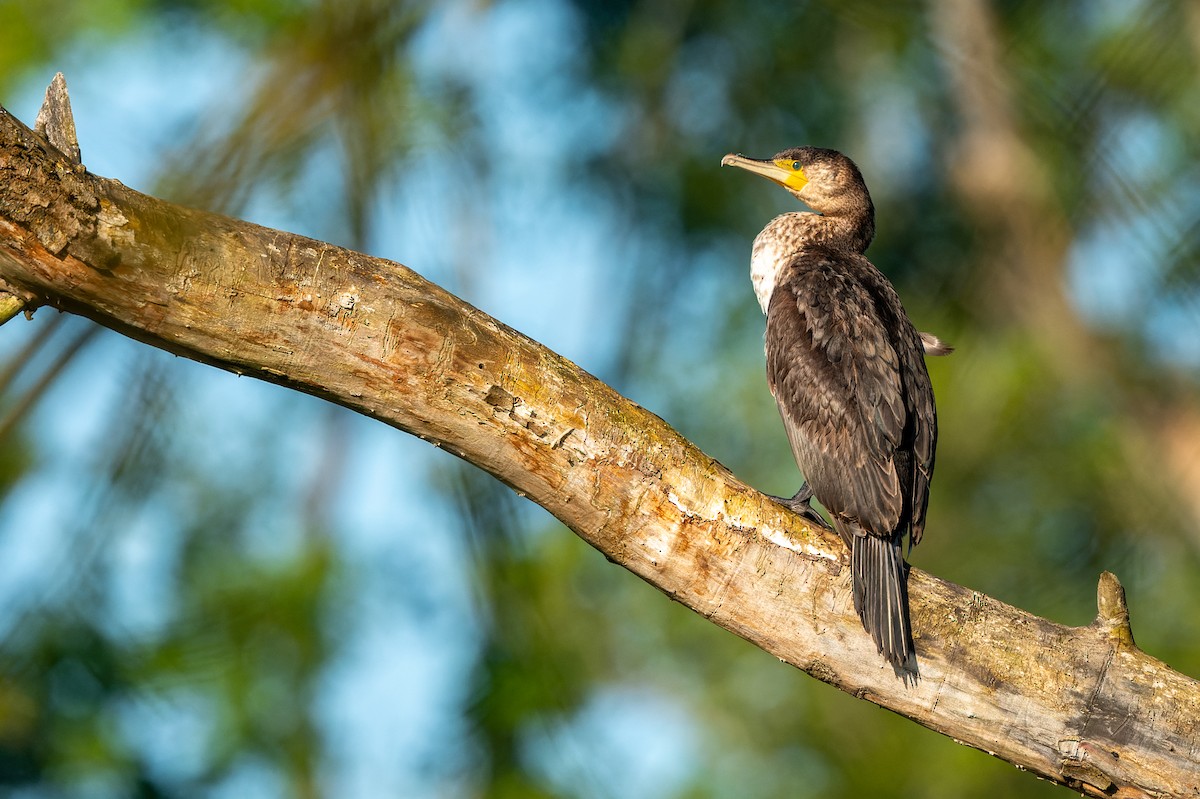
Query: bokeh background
[(214, 587)]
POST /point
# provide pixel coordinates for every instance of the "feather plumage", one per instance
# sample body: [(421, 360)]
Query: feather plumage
[(847, 369)]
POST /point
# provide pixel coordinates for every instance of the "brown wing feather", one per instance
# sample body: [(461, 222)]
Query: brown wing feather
[(919, 393), (845, 366)]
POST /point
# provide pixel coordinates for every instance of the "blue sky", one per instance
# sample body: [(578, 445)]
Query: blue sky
[(537, 257), (390, 701)]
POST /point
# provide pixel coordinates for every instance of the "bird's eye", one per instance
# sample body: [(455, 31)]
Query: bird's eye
[(795, 166)]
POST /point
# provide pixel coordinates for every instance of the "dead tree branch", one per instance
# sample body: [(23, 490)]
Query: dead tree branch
[(1081, 706)]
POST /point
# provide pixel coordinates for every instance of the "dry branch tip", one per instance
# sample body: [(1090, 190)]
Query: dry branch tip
[(10, 306), (13, 301), (56, 123), (1112, 610)]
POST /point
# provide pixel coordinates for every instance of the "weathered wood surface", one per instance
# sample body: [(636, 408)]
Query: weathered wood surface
[(1081, 706)]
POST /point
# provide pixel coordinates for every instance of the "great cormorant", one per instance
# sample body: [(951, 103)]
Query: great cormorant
[(847, 370)]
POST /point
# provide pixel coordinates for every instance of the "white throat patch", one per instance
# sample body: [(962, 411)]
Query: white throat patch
[(772, 250), (765, 262)]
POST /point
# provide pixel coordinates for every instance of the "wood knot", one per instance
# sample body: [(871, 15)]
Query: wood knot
[(1084, 763), (500, 399)]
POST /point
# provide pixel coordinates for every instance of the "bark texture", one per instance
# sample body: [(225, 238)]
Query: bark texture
[(1081, 706)]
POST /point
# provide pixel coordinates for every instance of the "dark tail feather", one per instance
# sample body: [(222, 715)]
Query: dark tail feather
[(881, 598)]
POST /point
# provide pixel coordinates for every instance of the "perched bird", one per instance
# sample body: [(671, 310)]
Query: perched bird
[(847, 370)]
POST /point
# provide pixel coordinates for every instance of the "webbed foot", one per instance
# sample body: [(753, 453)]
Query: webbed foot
[(801, 503)]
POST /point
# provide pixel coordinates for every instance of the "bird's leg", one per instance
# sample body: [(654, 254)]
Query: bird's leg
[(801, 503)]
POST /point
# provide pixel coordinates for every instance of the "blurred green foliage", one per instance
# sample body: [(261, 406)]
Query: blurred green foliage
[(1037, 178)]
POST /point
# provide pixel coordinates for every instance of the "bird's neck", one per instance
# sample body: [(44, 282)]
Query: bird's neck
[(844, 223), (788, 234)]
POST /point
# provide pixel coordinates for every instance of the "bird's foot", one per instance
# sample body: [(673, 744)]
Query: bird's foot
[(801, 503)]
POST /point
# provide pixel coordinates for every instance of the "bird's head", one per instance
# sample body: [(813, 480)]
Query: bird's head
[(824, 180)]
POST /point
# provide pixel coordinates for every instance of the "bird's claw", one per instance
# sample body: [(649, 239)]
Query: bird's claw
[(801, 504)]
